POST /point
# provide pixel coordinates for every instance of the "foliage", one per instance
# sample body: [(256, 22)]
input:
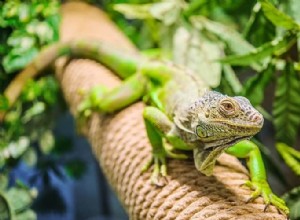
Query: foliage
[(15, 201), (290, 156), (26, 134), (292, 199), (286, 109), (25, 28), (220, 40)]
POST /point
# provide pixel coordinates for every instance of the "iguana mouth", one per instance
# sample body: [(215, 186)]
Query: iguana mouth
[(224, 142), (205, 159), (236, 125)]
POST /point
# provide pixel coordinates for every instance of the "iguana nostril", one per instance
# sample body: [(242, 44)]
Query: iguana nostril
[(257, 118)]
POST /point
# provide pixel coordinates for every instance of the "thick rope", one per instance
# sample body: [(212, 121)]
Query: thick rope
[(120, 144)]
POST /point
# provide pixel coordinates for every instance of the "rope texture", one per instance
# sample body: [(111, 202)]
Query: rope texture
[(120, 144)]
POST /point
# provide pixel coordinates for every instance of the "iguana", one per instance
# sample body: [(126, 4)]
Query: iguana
[(182, 113)]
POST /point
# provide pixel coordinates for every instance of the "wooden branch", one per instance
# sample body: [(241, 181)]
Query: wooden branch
[(120, 144)]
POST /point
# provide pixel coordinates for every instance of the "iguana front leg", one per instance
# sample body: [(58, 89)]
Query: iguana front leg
[(250, 151), (159, 127), (103, 100)]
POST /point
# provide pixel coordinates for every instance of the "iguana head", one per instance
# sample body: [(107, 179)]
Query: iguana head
[(220, 121), (224, 120)]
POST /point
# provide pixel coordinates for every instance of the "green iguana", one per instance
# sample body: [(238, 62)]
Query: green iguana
[(183, 114)]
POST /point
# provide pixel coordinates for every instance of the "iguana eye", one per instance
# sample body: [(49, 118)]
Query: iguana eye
[(227, 107)]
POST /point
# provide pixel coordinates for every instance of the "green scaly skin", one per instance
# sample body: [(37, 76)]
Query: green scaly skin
[(182, 113)]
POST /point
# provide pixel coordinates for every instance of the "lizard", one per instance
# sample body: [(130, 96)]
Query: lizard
[(182, 113)]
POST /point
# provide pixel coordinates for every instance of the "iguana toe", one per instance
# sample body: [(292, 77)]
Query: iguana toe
[(159, 169), (263, 189)]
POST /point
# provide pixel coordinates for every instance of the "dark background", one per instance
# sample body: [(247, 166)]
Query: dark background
[(65, 198)]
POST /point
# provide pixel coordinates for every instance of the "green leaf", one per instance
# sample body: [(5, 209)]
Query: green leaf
[(19, 198), (24, 12), (30, 157), (277, 17), (4, 208), (46, 88), (75, 168), (134, 11), (50, 88), (294, 7), (297, 66), (47, 142), (10, 9), (292, 199), (290, 156), (194, 7), (20, 41), (3, 182), (275, 47), (42, 30), (14, 62), (17, 148), (251, 21), (231, 78), (26, 215), (49, 8), (166, 11), (36, 109), (225, 87), (54, 22), (286, 108), (195, 51), (13, 116), (4, 103), (259, 30), (233, 39), (155, 53), (32, 90), (255, 86)]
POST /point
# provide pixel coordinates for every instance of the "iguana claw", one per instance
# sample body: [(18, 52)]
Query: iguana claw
[(262, 188), (159, 171), (91, 101)]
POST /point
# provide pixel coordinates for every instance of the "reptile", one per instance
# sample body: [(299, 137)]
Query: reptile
[(182, 113)]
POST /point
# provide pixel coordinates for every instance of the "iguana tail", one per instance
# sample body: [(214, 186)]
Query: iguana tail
[(123, 65)]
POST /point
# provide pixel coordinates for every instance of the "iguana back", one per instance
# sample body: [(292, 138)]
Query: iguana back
[(183, 88)]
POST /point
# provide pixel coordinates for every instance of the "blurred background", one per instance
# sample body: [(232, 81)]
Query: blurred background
[(242, 47)]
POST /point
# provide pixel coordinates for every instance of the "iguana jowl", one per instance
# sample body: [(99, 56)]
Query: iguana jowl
[(183, 113)]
